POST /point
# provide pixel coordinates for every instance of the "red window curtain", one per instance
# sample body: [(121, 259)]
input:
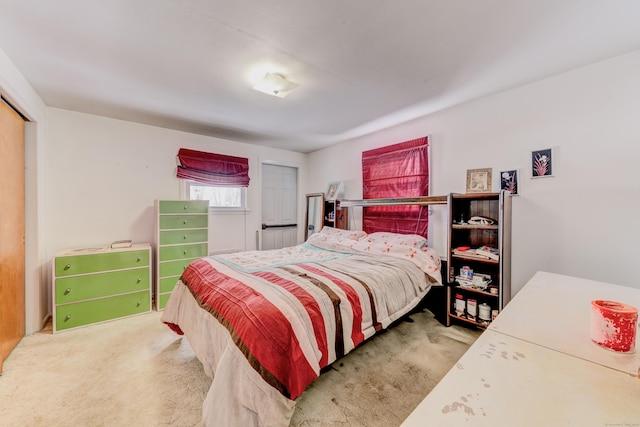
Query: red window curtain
[(399, 170), (213, 169)]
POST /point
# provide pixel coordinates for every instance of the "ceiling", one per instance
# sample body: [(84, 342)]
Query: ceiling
[(362, 65)]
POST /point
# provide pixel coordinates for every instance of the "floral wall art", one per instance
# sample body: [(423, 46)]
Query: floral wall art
[(542, 163), (509, 181)]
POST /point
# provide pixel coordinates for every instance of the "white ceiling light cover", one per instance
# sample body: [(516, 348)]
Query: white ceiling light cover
[(275, 84)]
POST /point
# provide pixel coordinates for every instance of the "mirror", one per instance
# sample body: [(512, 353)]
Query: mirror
[(315, 205)]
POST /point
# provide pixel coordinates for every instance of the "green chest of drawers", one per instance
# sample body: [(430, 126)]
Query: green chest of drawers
[(182, 237), (93, 285)]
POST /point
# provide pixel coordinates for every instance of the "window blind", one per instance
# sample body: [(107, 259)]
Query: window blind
[(212, 168), (398, 170)]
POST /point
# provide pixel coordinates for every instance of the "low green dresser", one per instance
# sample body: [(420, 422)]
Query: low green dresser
[(182, 236), (92, 285)]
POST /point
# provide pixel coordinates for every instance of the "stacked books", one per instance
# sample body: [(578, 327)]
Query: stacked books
[(488, 251), (479, 281), (483, 252)]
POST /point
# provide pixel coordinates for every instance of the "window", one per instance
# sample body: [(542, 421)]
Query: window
[(219, 178), (219, 197), (399, 170)]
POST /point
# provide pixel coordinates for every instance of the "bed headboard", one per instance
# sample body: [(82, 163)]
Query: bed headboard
[(415, 225)]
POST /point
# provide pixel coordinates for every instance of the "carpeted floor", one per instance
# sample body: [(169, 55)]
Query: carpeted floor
[(136, 372)]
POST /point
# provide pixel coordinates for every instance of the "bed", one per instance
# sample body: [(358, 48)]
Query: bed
[(264, 324)]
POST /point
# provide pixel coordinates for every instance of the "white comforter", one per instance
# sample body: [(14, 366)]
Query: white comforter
[(377, 279)]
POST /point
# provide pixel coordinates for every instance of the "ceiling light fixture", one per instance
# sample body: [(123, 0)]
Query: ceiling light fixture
[(275, 84)]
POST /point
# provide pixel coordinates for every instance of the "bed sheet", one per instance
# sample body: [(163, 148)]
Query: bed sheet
[(329, 294)]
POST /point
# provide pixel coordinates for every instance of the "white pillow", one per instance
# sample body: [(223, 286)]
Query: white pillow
[(392, 239), (343, 234)]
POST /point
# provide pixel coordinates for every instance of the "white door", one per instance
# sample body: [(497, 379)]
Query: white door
[(279, 206)]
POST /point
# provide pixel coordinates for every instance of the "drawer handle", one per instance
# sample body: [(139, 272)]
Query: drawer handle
[(139, 280), (139, 258), (184, 221), (184, 237), (184, 252), (67, 291), (185, 207), (67, 317), (139, 303), (68, 266)]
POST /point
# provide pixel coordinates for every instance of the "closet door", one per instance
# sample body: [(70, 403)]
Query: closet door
[(12, 262)]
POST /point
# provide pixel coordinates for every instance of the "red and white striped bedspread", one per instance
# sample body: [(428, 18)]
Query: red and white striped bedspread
[(284, 315)]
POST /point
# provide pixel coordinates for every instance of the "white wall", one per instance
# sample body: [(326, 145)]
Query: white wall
[(581, 222), (104, 176)]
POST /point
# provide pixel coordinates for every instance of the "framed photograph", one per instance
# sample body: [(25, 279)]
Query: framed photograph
[(479, 180), (334, 191), (542, 163), (509, 181)]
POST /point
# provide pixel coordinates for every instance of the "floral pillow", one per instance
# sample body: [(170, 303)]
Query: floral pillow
[(343, 234), (408, 246), (335, 238), (394, 239)]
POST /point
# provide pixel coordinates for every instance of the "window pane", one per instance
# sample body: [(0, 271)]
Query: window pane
[(219, 197)]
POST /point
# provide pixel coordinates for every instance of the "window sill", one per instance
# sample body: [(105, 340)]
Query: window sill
[(218, 211)]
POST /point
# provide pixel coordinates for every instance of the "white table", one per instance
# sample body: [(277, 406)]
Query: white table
[(536, 365)]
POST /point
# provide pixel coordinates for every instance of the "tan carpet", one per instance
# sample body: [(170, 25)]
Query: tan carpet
[(136, 372), (381, 382)]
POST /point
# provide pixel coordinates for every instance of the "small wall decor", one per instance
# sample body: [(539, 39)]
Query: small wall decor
[(479, 180), (335, 191), (542, 163), (509, 181)]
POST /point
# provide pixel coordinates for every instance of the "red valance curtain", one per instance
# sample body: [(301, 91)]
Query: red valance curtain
[(213, 169), (399, 170)]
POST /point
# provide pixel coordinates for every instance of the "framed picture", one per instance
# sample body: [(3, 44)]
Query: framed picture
[(334, 191), (509, 181), (479, 180), (542, 163)]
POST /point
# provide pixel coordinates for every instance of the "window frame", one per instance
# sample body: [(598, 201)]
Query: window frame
[(243, 197)]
